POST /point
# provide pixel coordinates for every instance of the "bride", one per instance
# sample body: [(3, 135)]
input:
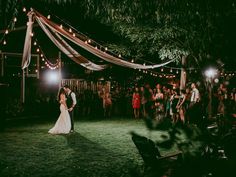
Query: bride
[(63, 124)]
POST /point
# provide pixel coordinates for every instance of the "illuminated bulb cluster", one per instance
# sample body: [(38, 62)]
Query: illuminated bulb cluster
[(229, 74), (160, 75), (44, 59), (12, 23)]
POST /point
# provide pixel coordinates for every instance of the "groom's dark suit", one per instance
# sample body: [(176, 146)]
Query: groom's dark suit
[(69, 102)]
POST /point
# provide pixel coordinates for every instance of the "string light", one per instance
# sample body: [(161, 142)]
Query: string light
[(4, 42), (37, 50), (15, 19), (24, 9), (89, 41), (48, 17), (162, 69), (35, 43), (132, 60), (32, 34), (6, 32)]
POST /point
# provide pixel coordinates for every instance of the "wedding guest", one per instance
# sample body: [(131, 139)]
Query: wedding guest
[(173, 105), (107, 103), (181, 105), (136, 101), (143, 102), (159, 107), (193, 106)]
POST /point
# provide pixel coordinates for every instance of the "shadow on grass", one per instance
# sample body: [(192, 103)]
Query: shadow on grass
[(92, 159)]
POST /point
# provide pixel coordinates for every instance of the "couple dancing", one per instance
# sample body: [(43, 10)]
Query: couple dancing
[(65, 122)]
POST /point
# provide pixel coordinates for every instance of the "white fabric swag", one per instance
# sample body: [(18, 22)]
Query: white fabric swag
[(69, 51), (27, 47), (55, 34)]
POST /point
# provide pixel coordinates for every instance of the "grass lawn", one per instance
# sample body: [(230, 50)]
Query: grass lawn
[(97, 148)]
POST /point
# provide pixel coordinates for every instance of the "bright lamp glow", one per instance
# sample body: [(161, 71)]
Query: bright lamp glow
[(52, 76), (210, 73)]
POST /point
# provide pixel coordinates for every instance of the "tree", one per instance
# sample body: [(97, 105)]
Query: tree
[(158, 29)]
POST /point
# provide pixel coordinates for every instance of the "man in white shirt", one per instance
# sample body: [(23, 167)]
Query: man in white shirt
[(195, 97), (71, 102), (193, 107)]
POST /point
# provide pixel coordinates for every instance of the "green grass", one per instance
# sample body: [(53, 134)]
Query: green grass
[(98, 148)]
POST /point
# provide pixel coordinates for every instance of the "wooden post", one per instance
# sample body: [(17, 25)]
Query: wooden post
[(183, 74), (59, 69), (38, 67), (23, 87), (210, 101), (2, 64)]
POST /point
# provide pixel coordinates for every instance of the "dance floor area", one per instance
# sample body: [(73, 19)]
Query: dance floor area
[(97, 148)]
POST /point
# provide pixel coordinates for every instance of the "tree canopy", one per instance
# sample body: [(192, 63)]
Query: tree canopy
[(203, 30)]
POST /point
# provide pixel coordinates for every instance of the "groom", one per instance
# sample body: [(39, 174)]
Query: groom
[(71, 102)]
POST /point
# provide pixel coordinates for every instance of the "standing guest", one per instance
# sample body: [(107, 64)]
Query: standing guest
[(148, 95), (167, 98), (143, 102), (71, 102), (159, 107), (233, 100), (136, 101), (193, 107), (181, 105), (222, 96), (173, 105), (195, 96), (188, 97), (107, 103), (187, 104), (88, 101)]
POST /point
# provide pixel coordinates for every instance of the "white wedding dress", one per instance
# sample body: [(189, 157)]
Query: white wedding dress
[(63, 124)]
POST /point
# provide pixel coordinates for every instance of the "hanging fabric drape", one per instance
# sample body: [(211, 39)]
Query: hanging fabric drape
[(27, 47), (101, 54), (68, 50)]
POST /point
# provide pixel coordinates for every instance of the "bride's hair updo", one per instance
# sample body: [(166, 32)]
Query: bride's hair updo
[(61, 91)]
